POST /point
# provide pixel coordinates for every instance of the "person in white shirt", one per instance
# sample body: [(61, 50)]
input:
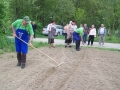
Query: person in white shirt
[(101, 34), (92, 34), (52, 32), (75, 28)]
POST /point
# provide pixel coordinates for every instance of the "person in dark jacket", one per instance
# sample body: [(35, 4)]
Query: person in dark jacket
[(34, 28)]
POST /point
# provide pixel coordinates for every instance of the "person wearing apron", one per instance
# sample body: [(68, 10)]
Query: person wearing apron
[(51, 33), (25, 32)]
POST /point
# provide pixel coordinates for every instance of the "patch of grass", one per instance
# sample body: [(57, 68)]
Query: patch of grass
[(10, 45), (110, 49), (60, 37), (109, 40), (1, 52), (45, 36), (39, 44)]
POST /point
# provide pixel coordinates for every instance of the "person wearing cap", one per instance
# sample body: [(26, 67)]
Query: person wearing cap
[(22, 29)]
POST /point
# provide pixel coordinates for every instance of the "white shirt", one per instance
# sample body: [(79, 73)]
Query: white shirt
[(102, 30), (75, 27), (49, 27), (65, 29), (92, 31)]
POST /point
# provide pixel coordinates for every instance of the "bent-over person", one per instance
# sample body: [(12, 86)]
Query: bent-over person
[(22, 29)]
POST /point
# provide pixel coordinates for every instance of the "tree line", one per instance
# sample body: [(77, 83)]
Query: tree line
[(62, 11)]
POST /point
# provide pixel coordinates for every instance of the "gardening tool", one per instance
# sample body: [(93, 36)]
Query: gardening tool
[(58, 64)]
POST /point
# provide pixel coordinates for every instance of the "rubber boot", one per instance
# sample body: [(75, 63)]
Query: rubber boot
[(23, 61), (19, 59)]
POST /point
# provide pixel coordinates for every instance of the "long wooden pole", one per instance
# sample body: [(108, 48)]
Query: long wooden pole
[(41, 52)]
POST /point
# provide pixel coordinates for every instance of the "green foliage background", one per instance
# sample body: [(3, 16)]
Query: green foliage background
[(62, 11)]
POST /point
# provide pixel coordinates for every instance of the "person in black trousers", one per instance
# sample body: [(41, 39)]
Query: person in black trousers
[(65, 30), (34, 28), (92, 34), (78, 37)]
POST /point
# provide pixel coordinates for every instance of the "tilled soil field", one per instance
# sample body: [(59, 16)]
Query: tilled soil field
[(88, 69)]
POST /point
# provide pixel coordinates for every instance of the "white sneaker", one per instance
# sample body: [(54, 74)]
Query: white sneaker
[(103, 45)]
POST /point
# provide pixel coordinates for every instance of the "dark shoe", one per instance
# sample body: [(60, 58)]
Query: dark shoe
[(65, 46), (78, 49), (70, 46), (19, 64), (22, 66)]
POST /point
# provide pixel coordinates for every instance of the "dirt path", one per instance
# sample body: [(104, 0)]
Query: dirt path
[(88, 69)]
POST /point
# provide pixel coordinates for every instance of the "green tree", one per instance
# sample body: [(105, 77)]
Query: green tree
[(2, 15), (64, 11), (80, 15)]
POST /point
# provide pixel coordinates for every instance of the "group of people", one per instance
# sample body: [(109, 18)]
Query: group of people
[(71, 32), (23, 30)]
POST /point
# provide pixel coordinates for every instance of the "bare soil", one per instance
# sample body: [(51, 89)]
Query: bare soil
[(88, 69)]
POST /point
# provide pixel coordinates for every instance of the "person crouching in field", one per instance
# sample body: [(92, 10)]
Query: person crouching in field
[(78, 37), (52, 32), (92, 35), (70, 34), (22, 29)]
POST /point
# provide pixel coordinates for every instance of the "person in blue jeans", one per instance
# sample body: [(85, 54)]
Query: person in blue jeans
[(85, 33), (22, 29)]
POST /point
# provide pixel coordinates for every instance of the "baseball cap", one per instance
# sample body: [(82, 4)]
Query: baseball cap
[(27, 19)]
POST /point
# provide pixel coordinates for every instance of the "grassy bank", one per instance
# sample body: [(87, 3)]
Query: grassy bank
[(9, 45), (107, 39)]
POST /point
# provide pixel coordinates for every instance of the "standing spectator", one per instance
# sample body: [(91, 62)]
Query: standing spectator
[(21, 28), (34, 28), (52, 32), (101, 34), (65, 30), (85, 33), (75, 28), (92, 34), (69, 34), (78, 37)]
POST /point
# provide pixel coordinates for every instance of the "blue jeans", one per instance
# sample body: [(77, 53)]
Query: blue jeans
[(85, 38)]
